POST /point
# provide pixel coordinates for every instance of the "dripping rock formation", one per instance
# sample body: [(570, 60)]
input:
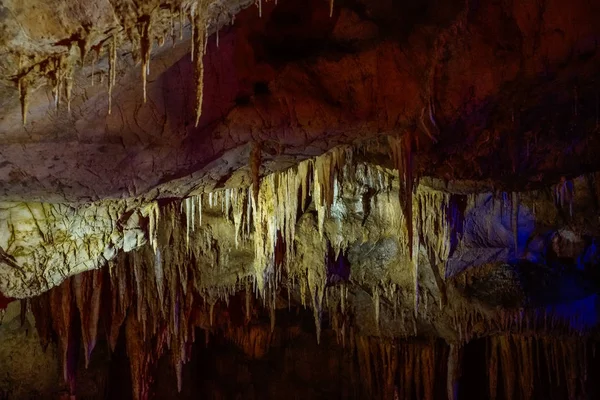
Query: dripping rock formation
[(387, 199)]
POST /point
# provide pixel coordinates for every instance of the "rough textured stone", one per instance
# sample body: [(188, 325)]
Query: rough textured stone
[(401, 169)]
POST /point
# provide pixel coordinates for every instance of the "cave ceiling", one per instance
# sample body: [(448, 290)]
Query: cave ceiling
[(504, 92)]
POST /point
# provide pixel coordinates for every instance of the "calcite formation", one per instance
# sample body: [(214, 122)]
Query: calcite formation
[(327, 234), (99, 32), (413, 187)]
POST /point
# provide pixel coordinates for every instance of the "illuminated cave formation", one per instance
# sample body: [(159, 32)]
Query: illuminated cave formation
[(318, 199)]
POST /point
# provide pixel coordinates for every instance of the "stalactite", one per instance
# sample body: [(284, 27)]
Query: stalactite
[(507, 364), (401, 153), (69, 86), (120, 302), (272, 310), (326, 169), (42, 312), (87, 289), (153, 212), (515, 221), (182, 23), (343, 297), (23, 88), (142, 356), (317, 292), (112, 69), (524, 352), (94, 62), (200, 38), (454, 371), (61, 307), (23, 85), (57, 75), (492, 359), (254, 163), (145, 48), (159, 275), (376, 305), (564, 192), (194, 33)]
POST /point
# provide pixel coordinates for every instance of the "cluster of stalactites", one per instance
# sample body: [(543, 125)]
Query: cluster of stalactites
[(150, 27), (156, 296), (517, 367), (402, 158), (432, 221), (270, 216), (402, 370), (470, 323), (517, 362), (273, 212), (58, 72), (55, 311)]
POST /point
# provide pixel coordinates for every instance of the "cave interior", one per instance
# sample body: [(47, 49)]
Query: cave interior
[(353, 199)]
